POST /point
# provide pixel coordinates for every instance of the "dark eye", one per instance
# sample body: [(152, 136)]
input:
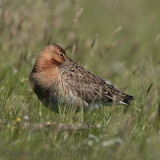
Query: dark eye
[(61, 54)]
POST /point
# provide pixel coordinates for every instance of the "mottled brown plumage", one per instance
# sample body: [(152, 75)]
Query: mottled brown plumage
[(59, 81)]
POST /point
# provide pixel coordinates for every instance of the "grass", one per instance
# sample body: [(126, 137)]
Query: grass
[(126, 39)]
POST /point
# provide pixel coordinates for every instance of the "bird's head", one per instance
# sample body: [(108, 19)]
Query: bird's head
[(51, 56)]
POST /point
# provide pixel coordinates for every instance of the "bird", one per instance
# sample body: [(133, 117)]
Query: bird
[(58, 81)]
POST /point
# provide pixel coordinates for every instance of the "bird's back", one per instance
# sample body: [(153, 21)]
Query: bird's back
[(87, 88)]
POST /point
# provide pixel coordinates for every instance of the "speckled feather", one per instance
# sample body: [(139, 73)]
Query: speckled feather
[(88, 86)]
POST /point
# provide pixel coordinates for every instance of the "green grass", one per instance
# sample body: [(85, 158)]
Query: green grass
[(126, 52)]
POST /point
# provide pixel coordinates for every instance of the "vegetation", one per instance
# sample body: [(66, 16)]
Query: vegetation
[(118, 40)]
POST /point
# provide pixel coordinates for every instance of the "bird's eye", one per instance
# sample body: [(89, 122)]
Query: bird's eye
[(61, 54)]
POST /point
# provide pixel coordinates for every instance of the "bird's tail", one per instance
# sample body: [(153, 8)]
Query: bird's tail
[(127, 99)]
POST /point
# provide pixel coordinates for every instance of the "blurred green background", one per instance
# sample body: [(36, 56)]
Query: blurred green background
[(117, 40)]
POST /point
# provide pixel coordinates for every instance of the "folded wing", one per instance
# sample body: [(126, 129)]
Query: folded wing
[(89, 87)]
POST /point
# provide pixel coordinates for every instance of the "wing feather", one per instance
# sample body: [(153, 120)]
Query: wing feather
[(88, 86)]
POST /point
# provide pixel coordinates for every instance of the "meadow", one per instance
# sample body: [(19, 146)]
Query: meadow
[(117, 40)]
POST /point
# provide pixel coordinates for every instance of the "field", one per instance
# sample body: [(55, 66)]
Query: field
[(117, 40)]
